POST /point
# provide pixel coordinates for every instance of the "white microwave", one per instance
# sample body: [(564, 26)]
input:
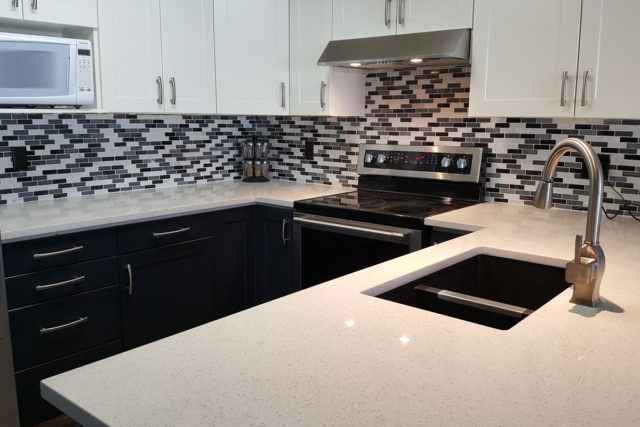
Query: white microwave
[(42, 70)]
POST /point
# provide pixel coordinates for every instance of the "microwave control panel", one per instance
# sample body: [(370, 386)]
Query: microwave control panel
[(84, 73)]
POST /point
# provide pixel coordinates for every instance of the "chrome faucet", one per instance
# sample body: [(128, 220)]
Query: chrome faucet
[(587, 267)]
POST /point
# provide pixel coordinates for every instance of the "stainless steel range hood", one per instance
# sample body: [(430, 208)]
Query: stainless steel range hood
[(432, 48)]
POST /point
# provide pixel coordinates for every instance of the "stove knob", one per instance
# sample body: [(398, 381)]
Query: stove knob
[(446, 162), (368, 158), (462, 163), (381, 158)]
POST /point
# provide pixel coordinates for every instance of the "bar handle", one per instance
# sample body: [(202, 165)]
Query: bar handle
[(329, 225), (563, 96), (387, 13), (34, 4), (172, 82), (284, 227), (69, 282), (323, 102), (130, 272), (15, 3), (584, 88), (58, 253), (171, 233), (401, 11), (283, 90), (80, 321), (160, 98)]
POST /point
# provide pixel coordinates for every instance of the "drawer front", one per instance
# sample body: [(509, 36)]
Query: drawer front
[(152, 234), (33, 288), (58, 328), (33, 408), (40, 254)]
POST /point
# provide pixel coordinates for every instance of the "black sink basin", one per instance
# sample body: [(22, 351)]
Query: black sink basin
[(492, 291)]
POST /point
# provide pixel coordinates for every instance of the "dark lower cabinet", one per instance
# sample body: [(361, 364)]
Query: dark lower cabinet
[(166, 290), (234, 260), (274, 253), (32, 407)]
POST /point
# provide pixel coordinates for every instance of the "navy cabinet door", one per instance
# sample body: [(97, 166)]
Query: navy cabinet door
[(234, 260), (274, 253), (165, 291)]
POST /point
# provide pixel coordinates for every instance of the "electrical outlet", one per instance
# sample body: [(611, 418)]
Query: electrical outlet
[(605, 161), (308, 150), (19, 158)]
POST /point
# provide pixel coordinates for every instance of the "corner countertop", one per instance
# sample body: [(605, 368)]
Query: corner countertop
[(45, 218), (334, 355)]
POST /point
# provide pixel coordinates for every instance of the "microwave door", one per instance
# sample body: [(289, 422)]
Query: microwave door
[(37, 73)]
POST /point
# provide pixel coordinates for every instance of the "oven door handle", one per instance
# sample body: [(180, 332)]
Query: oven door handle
[(385, 232)]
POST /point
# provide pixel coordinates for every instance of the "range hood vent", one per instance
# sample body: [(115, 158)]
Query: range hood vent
[(432, 48)]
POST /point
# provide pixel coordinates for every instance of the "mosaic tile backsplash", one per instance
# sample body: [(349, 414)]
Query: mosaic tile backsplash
[(76, 154)]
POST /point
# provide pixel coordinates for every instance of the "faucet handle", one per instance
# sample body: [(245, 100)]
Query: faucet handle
[(578, 249)]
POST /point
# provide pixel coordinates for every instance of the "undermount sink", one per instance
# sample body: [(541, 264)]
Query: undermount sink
[(488, 290)]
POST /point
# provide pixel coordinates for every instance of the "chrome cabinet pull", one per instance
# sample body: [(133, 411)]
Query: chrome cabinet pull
[(387, 13), (73, 281), (284, 227), (323, 102), (15, 3), (401, 11), (170, 233), (160, 97), (172, 82), (563, 97), (81, 320), (58, 253), (34, 4), (584, 88), (282, 90), (130, 272)]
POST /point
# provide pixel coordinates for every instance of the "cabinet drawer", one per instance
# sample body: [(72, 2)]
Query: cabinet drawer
[(40, 254), (33, 408), (152, 234), (46, 285), (53, 329)]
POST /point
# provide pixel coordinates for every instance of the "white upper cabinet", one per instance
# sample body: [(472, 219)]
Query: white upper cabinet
[(11, 9), (524, 56), (252, 56), (610, 57), (131, 55), (363, 18), (188, 56), (82, 13), (319, 90), (417, 16), (157, 56)]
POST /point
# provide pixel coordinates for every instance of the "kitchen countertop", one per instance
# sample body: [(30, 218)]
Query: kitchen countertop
[(333, 355), (22, 221)]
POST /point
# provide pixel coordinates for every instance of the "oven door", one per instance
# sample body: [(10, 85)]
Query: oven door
[(326, 247)]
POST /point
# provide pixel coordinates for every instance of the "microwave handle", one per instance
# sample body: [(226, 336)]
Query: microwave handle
[(160, 98)]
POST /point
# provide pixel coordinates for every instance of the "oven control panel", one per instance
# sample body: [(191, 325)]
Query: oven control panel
[(446, 163)]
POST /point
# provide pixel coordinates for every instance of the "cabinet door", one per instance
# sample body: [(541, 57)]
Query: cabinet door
[(82, 13), (417, 16), (354, 19), (274, 253), (252, 56), (521, 48), (11, 9), (131, 56), (234, 260), (609, 54), (165, 291), (188, 56)]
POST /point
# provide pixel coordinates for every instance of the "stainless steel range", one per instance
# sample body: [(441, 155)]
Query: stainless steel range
[(398, 187)]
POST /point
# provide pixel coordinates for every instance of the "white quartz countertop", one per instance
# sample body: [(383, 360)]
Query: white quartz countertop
[(334, 355), (45, 218)]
